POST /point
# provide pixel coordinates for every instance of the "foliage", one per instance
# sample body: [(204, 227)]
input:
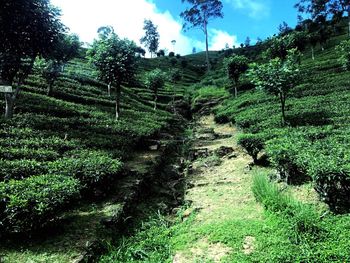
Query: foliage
[(343, 50), (278, 77), (114, 58), (279, 46), (90, 167), (235, 66), (155, 80), (198, 15), (252, 143), (20, 41), (303, 218), (30, 203), (151, 38)]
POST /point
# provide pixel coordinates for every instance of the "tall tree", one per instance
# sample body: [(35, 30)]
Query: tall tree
[(151, 37), (27, 28), (199, 14), (115, 60), (335, 8)]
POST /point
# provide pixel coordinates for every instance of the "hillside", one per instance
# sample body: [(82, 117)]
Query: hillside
[(291, 206)]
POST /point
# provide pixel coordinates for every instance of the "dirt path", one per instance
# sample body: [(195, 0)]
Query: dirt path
[(219, 192)]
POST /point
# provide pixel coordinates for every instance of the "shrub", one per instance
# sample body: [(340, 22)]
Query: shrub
[(330, 170), (30, 203), (92, 168), (27, 153), (20, 169), (283, 154), (343, 50), (171, 54), (252, 143)]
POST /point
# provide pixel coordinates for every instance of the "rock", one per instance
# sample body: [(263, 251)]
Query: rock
[(223, 151), (154, 147), (232, 156), (207, 137)]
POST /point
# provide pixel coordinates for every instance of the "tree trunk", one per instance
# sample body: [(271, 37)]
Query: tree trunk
[(9, 99), (109, 88), (49, 89), (174, 94), (155, 100), (313, 52), (206, 46), (236, 92), (117, 102), (10, 103), (283, 108)]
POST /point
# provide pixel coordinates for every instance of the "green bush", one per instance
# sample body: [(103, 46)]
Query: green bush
[(252, 143), (92, 168), (330, 170), (343, 50), (20, 169), (30, 203), (284, 155), (27, 153)]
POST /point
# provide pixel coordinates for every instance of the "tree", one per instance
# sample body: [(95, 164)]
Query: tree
[(284, 29), (235, 66), (278, 77), (115, 60), (173, 42), (175, 76), (199, 15), (247, 42), (194, 50), (28, 28), (151, 38), (155, 80), (279, 46), (335, 8), (259, 41), (52, 65)]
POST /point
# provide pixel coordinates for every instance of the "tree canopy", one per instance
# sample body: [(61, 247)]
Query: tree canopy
[(28, 28), (278, 77), (115, 60), (199, 15)]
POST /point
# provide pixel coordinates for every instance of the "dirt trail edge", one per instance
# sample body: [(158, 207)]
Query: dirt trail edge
[(219, 191)]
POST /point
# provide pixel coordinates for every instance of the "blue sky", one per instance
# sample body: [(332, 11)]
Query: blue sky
[(242, 18)]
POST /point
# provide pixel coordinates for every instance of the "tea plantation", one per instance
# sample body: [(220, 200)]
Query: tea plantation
[(59, 149), (315, 143)]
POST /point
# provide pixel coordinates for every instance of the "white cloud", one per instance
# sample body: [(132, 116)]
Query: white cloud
[(219, 39), (256, 9), (84, 17)]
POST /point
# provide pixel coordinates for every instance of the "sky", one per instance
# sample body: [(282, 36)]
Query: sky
[(242, 18)]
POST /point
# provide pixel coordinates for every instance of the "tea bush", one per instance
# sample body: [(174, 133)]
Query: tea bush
[(30, 203), (91, 168)]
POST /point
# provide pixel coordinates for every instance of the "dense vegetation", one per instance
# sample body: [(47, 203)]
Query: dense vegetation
[(78, 114)]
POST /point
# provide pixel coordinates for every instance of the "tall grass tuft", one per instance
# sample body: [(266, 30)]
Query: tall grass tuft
[(303, 218)]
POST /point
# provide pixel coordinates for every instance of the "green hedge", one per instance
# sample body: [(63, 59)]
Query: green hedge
[(20, 169), (91, 168), (30, 203)]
